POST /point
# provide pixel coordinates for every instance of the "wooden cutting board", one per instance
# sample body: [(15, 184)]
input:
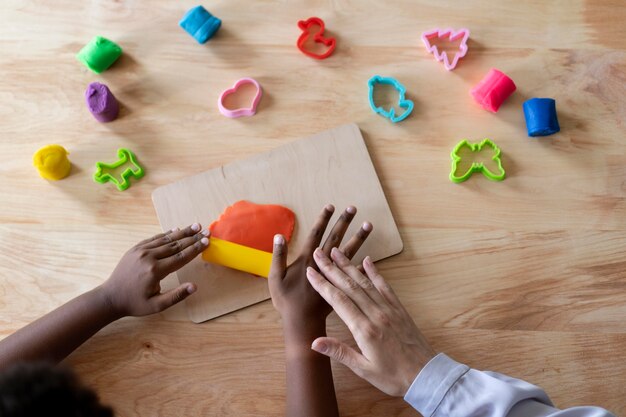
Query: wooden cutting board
[(330, 167)]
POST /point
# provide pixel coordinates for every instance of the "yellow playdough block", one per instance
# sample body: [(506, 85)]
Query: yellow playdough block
[(52, 163), (239, 257)]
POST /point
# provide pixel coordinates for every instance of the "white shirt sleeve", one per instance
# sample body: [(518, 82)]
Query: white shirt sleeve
[(446, 388)]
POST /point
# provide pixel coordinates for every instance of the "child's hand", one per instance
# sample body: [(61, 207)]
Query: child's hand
[(292, 295), (134, 286), (310, 388)]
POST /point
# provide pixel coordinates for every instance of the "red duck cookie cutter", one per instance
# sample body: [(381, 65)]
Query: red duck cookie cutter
[(318, 37)]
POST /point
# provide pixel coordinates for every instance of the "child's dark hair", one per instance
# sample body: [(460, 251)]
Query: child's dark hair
[(40, 389)]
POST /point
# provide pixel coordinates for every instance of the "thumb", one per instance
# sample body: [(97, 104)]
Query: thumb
[(169, 298), (279, 260), (340, 352)]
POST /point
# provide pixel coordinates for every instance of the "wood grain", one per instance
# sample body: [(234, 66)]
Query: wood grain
[(304, 175), (525, 276)]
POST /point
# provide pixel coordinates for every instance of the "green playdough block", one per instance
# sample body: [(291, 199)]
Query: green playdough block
[(99, 54)]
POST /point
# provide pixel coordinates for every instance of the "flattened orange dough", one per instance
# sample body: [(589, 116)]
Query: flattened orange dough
[(254, 225)]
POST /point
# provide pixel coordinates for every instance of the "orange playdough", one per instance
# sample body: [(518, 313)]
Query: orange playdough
[(254, 225)]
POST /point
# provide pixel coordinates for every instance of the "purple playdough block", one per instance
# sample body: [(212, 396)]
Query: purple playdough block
[(101, 102)]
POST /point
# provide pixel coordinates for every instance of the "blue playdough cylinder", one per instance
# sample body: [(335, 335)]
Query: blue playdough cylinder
[(540, 114), (200, 24)]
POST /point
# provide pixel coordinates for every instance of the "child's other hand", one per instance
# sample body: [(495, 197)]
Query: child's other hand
[(292, 295), (134, 287)]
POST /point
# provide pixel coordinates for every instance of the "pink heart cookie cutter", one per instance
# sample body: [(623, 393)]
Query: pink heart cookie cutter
[(462, 34), (245, 111)]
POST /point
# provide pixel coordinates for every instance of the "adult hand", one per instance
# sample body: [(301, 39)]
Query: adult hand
[(134, 286), (393, 350), (292, 295)]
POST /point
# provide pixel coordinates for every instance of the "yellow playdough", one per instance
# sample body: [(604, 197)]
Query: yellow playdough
[(52, 163), (242, 258)]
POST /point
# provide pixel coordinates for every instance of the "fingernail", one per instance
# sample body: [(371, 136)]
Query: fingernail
[(317, 253), (206, 232), (330, 208), (195, 227), (191, 289), (278, 240), (368, 260), (176, 229), (204, 241), (351, 209), (320, 347), (309, 271), (367, 226)]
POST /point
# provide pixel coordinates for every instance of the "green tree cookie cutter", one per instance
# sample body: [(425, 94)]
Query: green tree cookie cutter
[(111, 172), (476, 166)]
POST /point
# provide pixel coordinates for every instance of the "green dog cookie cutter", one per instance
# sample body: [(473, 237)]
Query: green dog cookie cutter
[(110, 172), (476, 166)]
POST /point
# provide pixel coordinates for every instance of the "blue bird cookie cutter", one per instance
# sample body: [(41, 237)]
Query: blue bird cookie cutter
[(403, 102)]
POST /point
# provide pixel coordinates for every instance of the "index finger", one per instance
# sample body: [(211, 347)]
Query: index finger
[(317, 232)]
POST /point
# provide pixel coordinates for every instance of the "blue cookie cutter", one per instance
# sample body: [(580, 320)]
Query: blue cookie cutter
[(540, 115), (402, 101), (200, 24)]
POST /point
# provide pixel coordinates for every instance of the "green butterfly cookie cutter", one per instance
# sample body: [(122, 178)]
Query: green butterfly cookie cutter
[(111, 172), (476, 166)]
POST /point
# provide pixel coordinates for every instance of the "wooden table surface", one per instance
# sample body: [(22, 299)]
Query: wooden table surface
[(525, 276)]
